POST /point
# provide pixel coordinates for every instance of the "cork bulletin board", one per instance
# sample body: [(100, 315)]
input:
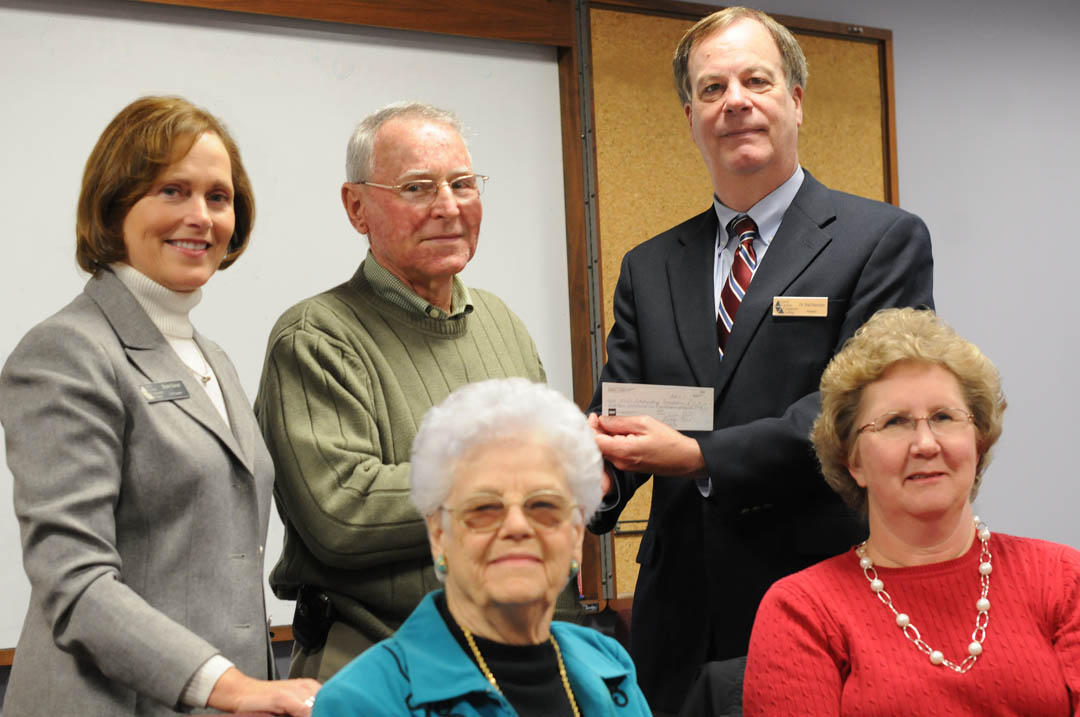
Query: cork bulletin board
[(650, 175)]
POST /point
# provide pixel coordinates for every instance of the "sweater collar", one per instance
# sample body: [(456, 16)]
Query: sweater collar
[(390, 310), (168, 309), (396, 292)]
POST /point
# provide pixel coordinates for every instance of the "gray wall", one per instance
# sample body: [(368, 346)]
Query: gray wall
[(988, 154), (291, 92)]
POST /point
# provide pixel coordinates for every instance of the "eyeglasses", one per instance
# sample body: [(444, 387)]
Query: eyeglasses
[(896, 425), (422, 192), (486, 512)]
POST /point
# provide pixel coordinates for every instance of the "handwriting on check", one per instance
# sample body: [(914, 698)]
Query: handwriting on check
[(684, 408)]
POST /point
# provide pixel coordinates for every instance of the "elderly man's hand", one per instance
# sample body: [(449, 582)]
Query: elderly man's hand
[(645, 445)]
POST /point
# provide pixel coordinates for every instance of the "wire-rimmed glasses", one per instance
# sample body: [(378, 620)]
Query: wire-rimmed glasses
[(422, 192), (897, 425)]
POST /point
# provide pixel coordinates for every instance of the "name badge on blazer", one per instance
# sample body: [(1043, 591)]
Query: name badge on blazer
[(817, 306), (164, 391)]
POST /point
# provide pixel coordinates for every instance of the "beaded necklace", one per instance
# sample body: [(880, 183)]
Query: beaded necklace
[(982, 606)]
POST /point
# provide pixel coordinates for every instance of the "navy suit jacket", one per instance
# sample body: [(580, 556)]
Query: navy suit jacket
[(705, 563)]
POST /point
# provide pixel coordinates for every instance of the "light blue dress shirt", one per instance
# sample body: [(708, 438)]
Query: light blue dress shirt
[(767, 214)]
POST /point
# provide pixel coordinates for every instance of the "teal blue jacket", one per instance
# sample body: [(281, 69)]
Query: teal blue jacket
[(422, 670)]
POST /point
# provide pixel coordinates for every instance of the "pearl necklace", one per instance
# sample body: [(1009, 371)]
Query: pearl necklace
[(491, 677), (982, 605)]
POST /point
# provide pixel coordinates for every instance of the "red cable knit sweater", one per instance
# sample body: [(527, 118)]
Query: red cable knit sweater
[(823, 644)]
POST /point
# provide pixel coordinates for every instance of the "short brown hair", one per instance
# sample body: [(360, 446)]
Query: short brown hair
[(146, 137), (890, 337), (792, 58)]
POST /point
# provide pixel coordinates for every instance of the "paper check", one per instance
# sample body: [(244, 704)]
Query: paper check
[(684, 408)]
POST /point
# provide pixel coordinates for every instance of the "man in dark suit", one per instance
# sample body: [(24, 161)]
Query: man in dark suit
[(756, 310)]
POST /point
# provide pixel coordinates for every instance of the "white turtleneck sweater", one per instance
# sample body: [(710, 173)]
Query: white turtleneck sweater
[(169, 311)]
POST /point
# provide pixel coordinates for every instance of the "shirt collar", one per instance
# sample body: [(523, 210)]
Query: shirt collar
[(440, 669), (767, 213), (396, 292)]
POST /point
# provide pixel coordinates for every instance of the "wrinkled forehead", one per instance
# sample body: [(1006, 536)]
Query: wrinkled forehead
[(420, 147), (745, 39)]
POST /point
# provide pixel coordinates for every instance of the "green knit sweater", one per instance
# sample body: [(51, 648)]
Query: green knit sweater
[(347, 378)]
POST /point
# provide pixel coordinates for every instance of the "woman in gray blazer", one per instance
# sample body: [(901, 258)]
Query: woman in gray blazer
[(142, 485)]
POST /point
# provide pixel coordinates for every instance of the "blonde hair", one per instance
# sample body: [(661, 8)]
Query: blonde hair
[(889, 337)]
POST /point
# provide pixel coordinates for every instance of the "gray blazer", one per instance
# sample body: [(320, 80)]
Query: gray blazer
[(143, 521)]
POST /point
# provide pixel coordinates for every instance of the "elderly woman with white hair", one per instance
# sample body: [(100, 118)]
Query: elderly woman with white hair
[(507, 474)]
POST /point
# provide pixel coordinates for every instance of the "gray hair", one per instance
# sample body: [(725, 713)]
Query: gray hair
[(358, 156), (480, 413)]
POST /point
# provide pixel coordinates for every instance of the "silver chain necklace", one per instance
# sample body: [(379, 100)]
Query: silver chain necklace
[(982, 605)]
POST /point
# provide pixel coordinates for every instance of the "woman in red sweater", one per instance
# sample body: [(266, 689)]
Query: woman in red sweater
[(932, 614)]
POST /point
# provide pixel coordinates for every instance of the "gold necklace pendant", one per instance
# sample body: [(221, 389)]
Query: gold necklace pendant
[(204, 377), (491, 677)]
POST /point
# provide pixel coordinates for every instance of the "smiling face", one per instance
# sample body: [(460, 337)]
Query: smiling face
[(743, 119), (519, 565), (923, 476), (179, 231), (424, 246)]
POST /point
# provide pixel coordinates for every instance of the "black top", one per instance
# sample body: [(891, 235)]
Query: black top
[(528, 675)]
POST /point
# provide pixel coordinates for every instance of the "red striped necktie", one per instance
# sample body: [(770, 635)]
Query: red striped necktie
[(744, 230)]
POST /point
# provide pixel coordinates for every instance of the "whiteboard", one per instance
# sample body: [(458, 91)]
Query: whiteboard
[(291, 93)]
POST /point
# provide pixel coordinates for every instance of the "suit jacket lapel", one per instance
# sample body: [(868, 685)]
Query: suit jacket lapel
[(689, 270), (800, 238), (148, 350), (241, 418)]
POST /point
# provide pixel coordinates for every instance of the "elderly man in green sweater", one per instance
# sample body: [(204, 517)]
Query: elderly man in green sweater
[(349, 374)]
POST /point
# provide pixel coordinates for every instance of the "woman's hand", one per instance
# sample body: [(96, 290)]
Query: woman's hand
[(236, 692)]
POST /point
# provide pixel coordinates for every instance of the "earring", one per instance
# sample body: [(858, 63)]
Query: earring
[(440, 565), (574, 568)]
